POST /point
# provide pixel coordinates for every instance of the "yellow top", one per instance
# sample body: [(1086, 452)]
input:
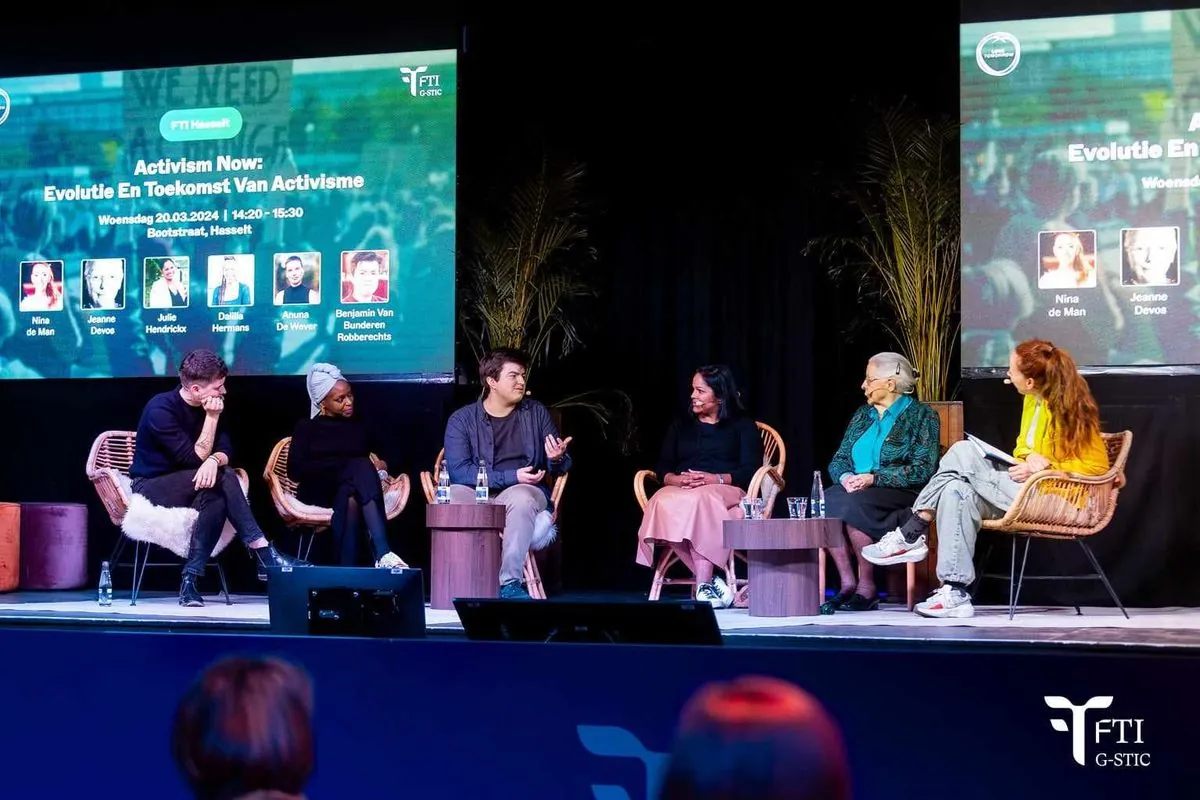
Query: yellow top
[(1092, 461)]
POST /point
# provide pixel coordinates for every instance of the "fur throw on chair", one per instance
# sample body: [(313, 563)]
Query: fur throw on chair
[(544, 531), (170, 528)]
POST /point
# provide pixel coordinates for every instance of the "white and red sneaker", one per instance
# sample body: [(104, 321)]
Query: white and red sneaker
[(946, 602), (893, 548)]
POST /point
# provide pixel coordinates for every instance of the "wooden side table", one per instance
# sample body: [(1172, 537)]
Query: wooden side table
[(782, 556), (465, 552)]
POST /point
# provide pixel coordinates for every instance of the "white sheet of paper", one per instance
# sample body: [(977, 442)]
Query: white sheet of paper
[(987, 451)]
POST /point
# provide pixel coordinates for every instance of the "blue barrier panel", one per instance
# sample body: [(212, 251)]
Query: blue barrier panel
[(89, 712)]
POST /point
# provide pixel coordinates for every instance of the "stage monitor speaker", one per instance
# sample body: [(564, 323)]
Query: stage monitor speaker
[(644, 622), (347, 601)]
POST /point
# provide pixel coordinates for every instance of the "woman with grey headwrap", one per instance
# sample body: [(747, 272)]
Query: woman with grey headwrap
[(332, 463)]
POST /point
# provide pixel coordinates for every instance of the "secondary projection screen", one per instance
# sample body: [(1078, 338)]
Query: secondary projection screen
[(279, 213), (1081, 175)]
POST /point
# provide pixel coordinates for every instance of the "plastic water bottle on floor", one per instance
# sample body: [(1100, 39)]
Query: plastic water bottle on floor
[(105, 585), (443, 485), (481, 485), (816, 499)]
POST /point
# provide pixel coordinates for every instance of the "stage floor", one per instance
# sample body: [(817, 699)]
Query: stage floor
[(1154, 629)]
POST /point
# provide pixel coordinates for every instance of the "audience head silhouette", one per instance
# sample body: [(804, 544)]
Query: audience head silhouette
[(244, 731), (756, 738)]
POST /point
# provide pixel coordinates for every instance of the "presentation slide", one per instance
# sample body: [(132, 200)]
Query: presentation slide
[(1081, 179), (280, 213)]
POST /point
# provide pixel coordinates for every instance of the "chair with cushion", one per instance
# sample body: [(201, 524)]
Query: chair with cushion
[(310, 519), (140, 521), (533, 577), (767, 483)]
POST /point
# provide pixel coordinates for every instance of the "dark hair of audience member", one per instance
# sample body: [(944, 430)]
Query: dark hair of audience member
[(245, 726), (756, 738)]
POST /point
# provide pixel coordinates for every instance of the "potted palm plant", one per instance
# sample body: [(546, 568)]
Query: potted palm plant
[(526, 262), (905, 258)]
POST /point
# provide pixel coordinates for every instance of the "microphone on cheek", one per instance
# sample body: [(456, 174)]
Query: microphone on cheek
[(1008, 382)]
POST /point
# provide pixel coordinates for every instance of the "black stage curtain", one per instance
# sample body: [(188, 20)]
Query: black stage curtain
[(1150, 549)]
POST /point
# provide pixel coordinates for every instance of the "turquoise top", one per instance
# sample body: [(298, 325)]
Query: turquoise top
[(865, 453)]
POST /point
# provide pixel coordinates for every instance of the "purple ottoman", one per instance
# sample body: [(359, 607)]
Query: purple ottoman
[(53, 545)]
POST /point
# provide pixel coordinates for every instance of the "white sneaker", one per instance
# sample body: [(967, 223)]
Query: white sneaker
[(946, 602), (894, 549), (390, 561), (715, 593)]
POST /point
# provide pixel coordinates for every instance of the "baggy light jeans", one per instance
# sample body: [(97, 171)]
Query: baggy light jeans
[(966, 489), (522, 503)]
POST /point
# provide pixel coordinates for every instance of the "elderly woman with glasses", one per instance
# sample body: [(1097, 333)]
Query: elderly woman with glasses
[(888, 453)]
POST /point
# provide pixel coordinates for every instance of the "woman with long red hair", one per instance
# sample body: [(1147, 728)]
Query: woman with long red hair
[(1060, 430)]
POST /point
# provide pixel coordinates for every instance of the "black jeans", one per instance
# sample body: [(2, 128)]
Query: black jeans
[(223, 501), (353, 491)]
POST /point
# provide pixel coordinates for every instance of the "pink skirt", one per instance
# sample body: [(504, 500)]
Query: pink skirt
[(691, 520)]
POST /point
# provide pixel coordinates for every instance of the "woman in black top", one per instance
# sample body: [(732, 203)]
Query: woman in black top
[(708, 459), (331, 461)]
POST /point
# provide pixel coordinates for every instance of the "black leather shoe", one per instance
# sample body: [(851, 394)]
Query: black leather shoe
[(270, 557), (860, 603), (189, 595), (839, 600)]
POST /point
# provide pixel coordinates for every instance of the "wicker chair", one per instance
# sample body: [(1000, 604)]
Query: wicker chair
[(138, 520), (767, 483), (533, 577), (309, 519), (1064, 506)]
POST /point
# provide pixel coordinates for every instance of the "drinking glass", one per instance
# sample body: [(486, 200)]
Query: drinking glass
[(797, 507)]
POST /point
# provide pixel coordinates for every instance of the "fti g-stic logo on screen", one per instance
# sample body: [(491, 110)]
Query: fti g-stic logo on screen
[(420, 82), (998, 53), (5, 105), (1115, 742)]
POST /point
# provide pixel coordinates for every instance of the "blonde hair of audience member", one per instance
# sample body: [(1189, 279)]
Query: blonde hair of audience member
[(244, 731), (756, 738)]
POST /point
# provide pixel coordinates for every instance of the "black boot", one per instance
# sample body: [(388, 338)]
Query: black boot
[(270, 557), (189, 595)]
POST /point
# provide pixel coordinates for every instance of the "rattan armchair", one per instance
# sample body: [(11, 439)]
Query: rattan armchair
[(766, 483), (1063, 506), (138, 520), (310, 520), (558, 485)]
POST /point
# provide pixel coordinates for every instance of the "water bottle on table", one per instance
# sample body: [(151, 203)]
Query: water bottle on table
[(443, 486), (816, 498), (105, 595), (481, 484)]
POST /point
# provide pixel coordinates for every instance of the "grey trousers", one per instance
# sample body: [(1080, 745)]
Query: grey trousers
[(522, 503), (966, 489)]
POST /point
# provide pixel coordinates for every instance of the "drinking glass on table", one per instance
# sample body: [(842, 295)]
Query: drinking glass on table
[(797, 507)]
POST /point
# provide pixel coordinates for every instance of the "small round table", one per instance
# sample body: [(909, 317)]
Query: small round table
[(782, 558), (465, 551), (54, 545)]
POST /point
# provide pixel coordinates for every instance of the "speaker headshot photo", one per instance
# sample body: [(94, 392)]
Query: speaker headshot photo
[(297, 279), (365, 276), (41, 286), (231, 280), (1067, 260), (103, 284), (1150, 256), (166, 282)]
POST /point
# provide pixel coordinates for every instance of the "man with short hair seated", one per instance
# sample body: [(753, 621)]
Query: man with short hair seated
[(515, 439), (182, 459)]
